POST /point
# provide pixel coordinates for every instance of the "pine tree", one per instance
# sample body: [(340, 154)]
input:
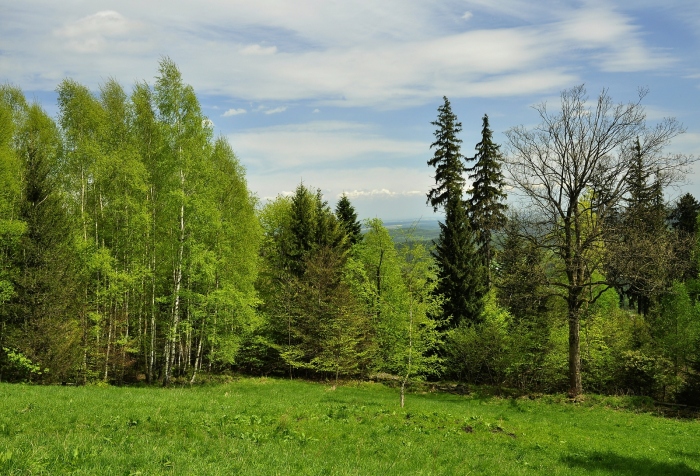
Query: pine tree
[(460, 273), (347, 216), (486, 207)]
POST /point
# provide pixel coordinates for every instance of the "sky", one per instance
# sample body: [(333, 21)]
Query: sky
[(340, 94)]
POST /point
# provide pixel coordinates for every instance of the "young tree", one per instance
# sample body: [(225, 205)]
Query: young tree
[(486, 207), (460, 271), (584, 150), (306, 299), (416, 356), (397, 288)]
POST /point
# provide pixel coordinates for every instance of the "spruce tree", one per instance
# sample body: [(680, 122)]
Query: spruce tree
[(461, 280), (46, 300), (447, 158), (684, 216), (459, 269), (486, 207), (684, 220), (347, 216)]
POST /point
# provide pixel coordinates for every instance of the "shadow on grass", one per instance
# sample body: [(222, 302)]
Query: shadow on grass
[(625, 465), (687, 454)]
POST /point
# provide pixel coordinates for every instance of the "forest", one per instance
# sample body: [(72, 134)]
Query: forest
[(132, 250)]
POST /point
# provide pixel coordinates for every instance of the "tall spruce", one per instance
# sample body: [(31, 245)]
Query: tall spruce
[(447, 158), (461, 279), (459, 268), (486, 207)]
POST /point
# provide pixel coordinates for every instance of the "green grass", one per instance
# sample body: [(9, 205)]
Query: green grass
[(264, 426)]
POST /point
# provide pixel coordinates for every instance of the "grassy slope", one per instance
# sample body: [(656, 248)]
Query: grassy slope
[(255, 426)]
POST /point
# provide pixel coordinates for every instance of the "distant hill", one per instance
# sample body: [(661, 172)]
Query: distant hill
[(424, 230)]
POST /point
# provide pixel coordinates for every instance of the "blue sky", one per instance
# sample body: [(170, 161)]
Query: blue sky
[(340, 94)]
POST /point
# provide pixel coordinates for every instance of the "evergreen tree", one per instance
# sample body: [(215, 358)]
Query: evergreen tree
[(646, 253), (46, 289), (486, 207), (521, 277), (461, 275), (347, 216), (684, 220), (447, 158), (312, 323), (460, 272), (684, 216)]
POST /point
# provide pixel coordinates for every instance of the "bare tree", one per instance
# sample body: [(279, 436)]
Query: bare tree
[(572, 169)]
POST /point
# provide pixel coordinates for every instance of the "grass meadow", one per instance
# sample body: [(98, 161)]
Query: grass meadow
[(268, 427)]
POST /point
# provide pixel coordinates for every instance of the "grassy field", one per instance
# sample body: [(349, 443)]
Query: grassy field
[(265, 426)]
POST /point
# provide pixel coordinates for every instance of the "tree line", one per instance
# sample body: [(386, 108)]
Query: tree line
[(132, 249)]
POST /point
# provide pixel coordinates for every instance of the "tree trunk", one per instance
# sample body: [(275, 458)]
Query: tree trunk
[(177, 278), (575, 386)]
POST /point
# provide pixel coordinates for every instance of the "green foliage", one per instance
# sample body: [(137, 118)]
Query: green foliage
[(477, 352), (142, 217), (20, 367)]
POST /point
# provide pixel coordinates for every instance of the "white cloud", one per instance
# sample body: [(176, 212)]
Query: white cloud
[(467, 15), (233, 112), (276, 110), (93, 33), (319, 142), (258, 50), (382, 193), (357, 53), (316, 111), (389, 192)]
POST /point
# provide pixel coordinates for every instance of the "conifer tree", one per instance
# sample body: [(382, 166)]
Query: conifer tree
[(46, 298), (684, 220), (644, 265), (347, 216), (486, 207), (461, 279), (447, 158), (459, 269), (684, 216)]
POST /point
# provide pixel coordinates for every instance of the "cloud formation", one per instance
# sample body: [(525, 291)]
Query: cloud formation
[(276, 110), (233, 112), (318, 143), (354, 53), (361, 62)]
